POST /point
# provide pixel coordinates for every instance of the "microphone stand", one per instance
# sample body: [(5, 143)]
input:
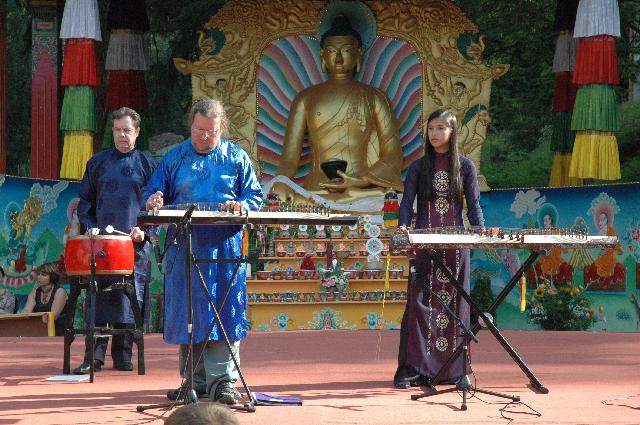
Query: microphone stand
[(93, 288), (189, 395), (467, 334), (154, 238)]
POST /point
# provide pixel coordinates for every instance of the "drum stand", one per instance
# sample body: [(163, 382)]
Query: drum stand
[(89, 329), (467, 334), (186, 389)]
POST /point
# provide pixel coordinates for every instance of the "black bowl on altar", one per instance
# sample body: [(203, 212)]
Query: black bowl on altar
[(332, 166)]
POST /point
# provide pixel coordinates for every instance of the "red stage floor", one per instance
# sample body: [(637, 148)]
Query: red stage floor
[(592, 378)]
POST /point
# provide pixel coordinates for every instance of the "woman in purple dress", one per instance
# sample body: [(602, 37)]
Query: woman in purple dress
[(442, 180)]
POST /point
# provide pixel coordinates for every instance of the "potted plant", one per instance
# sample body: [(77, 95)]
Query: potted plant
[(333, 279), (560, 307)]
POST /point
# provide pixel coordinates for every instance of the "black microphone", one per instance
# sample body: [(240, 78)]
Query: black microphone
[(153, 237), (187, 215)]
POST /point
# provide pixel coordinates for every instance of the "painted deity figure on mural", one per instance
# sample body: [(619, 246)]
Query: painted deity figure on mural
[(551, 266), (343, 119), (606, 270), (473, 129), (73, 227), (236, 113), (460, 96)]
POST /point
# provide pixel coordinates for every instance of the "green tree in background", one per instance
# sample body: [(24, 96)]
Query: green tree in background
[(173, 34), (516, 153), (19, 88)]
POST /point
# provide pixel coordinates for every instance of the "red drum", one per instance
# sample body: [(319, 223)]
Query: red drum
[(114, 255)]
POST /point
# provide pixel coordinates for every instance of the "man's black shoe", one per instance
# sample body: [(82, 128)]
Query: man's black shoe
[(123, 366), (173, 394), (401, 385), (226, 393), (84, 368)]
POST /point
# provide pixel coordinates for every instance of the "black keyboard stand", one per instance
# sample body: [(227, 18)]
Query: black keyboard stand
[(187, 392)]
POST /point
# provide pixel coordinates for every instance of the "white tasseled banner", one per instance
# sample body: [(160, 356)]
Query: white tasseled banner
[(127, 50), (597, 17), (81, 19)]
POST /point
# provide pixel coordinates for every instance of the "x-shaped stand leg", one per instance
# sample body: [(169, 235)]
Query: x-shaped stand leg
[(535, 382)]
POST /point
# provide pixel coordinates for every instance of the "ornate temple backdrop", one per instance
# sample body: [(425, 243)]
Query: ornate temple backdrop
[(256, 57)]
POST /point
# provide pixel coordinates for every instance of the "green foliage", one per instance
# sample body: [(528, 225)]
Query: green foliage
[(628, 138), (173, 34), (483, 297), (627, 45), (522, 37), (19, 89), (504, 165), (521, 100)]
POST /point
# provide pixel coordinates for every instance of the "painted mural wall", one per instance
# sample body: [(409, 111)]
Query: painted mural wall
[(39, 215), (608, 278)]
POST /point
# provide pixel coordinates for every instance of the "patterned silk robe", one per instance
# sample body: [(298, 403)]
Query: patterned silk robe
[(185, 177), (429, 333)]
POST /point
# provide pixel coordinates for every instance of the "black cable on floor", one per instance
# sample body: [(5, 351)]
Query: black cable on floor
[(609, 401)]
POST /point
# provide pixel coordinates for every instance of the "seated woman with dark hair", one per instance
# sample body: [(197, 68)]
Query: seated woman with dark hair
[(47, 296), (8, 299)]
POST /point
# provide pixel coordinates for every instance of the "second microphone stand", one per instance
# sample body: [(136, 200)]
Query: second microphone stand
[(467, 334)]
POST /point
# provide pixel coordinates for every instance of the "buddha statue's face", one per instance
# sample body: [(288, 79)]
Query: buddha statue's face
[(341, 54)]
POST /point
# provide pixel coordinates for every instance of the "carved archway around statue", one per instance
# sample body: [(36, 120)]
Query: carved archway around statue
[(446, 45)]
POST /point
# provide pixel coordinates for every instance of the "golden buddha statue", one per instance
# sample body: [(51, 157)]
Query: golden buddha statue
[(344, 119)]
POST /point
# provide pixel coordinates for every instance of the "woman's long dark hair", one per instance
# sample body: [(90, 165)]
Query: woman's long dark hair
[(425, 181)]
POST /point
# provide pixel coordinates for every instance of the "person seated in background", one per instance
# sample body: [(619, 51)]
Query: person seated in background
[(202, 414), (8, 299), (48, 296)]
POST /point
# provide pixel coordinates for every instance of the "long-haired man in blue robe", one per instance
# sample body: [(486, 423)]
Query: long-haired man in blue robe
[(209, 169)]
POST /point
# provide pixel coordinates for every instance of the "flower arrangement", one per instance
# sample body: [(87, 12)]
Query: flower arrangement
[(560, 307), (333, 279)]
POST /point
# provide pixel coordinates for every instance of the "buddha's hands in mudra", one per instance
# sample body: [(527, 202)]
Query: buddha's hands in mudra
[(346, 182)]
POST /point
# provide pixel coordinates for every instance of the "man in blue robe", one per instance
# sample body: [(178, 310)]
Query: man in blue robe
[(206, 169), (110, 194)]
